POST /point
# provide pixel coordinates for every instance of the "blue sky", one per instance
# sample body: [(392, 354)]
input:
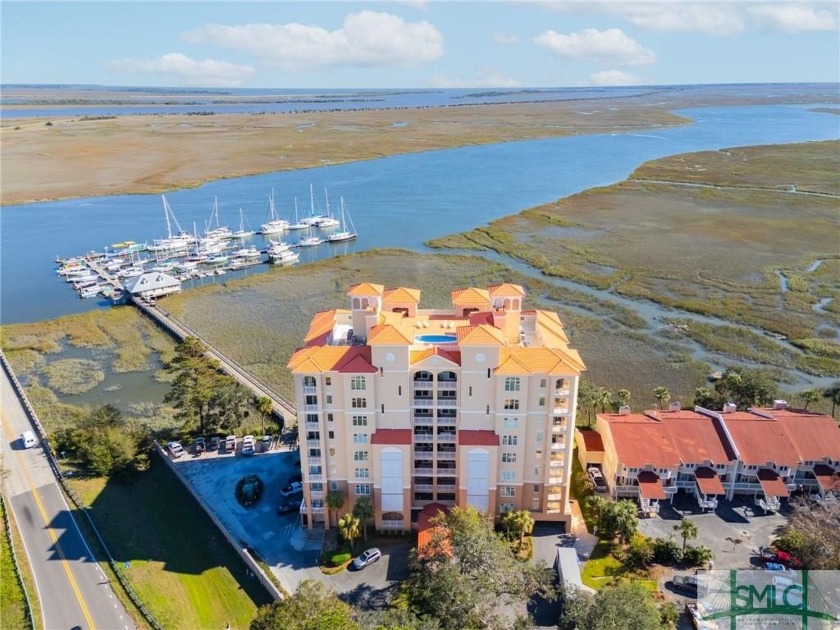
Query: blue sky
[(425, 44)]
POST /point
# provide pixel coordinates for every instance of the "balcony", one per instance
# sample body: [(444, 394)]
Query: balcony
[(557, 447), (422, 401), (316, 494), (314, 477), (448, 385), (312, 426), (448, 438), (315, 510), (563, 391), (423, 487), (310, 389), (560, 409), (555, 496), (446, 454), (423, 385), (312, 408), (393, 525), (445, 487), (313, 443), (424, 420), (555, 481), (447, 402), (424, 437), (557, 464), (558, 427), (424, 455)]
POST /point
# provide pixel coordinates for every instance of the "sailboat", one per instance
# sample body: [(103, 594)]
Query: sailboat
[(181, 240), (220, 232), (344, 234), (298, 225), (327, 220), (242, 232), (274, 225)]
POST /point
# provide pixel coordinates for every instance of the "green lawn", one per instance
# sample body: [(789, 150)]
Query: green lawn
[(603, 568), (12, 601), (180, 565)]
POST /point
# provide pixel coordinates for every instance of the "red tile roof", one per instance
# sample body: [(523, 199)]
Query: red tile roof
[(427, 531), (771, 483), (478, 438), (592, 440), (760, 440), (708, 481), (650, 487), (814, 435), (391, 436), (827, 477)]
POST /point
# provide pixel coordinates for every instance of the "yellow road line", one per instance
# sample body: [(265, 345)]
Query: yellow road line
[(64, 563)]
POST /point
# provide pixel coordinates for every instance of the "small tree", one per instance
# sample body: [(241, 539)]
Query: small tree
[(662, 396), (604, 398), (623, 396), (626, 518), (704, 397), (334, 501), (518, 523), (349, 527), (832, 393), (312, 606), (688, 530), (264, 406), (363, 510)]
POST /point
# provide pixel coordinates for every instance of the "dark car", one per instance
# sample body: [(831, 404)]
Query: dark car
[(686, 584), (215, 442), (199, 446), (287, 507)]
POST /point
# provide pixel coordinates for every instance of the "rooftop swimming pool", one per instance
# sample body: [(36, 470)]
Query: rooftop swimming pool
[(435, 338)]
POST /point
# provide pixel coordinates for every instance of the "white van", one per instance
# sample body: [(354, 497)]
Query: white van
[(29, 440)]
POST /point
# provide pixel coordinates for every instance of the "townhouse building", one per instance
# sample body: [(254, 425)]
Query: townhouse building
[(764, 453), (473, 404)]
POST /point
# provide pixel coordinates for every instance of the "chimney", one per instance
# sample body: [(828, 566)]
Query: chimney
[(729, 407), (779, 404), (674, 406), (624, 410)]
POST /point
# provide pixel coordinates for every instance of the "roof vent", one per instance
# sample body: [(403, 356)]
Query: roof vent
[(779, 404), (674, 406), (729, 407), (624, 410)]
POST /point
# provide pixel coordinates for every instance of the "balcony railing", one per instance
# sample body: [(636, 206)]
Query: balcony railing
[(447, 402), (312, 426), (424, 420), (447, 385), (316, 510), (423, 385), (423, 454), (311, 407), (423, 487), (558, 428), (555, 496), (446, 454), (393, 524), (313, 443), (449, 438), (310, 389), (316, 494), (555, 481), (563, 391), (557, 463), (560, 409), (557, 446), (315, 477), (444, 487), (424, 437)]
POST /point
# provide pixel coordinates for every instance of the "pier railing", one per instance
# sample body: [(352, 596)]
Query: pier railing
[(282, 407)]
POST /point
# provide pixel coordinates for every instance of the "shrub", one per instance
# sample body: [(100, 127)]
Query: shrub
[(667, 551), (695, 556), (791, 541), (337, 558), (639, 553)]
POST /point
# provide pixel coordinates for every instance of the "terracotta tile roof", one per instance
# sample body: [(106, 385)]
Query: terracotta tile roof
[(708, 481), (510, 364), (315, 359), (428, 531), (641, 441), (401, 294), (592, 440), (451, 355), (650, 486), (388, 335), (506, 289), (391, 436), (827, 478), (771, 483), (814, 435), (477, 438), (358, 362), (549, 325), (760, 440), (697, 437), (481, 335), (321, 327), (366, 289), (539, 360), (481, 317), (470, 296)]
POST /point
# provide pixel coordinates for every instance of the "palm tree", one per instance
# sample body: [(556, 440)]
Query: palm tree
[(264, 406), (518, 523), (334, 501), (604, 398), (833, 394), (623, 396), (687, 529), (662, 395), (349, 527), (809, 396), (626, 516), (363, 510)]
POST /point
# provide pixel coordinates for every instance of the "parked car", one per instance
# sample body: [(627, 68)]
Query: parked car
[(686, 584), (293, 488), (367, 557), (597, 478), (230, 444), (176, 449), (215, 442), (775, 566), (248, 445), (266, 443), (287, 507), (199, 446)]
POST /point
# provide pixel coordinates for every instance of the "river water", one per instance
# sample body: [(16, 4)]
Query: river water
[(400, 201)]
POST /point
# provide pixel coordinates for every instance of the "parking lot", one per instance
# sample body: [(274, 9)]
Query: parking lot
[(291, 551)]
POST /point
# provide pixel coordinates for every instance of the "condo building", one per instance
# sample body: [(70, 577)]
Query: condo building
[(470, 405)]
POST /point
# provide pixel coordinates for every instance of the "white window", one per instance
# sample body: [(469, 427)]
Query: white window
[(360, 456), (360, 438), (357, 382), (359, 403), (363, 489), (511, 403), (512, 384), (363, 473), (508, 475), (329, 399), (508, 491), (359, 421), (508, 458), (539, 436), (510, 440), (316, 486), (511, 423)]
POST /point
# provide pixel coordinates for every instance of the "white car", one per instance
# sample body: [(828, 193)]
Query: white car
[(248, 445), (293, 488), (367, 557), (597, 478), (230, 444), (176, 449)]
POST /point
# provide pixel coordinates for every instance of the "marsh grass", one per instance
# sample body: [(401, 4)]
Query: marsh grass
[(54, 414), (73, 376)]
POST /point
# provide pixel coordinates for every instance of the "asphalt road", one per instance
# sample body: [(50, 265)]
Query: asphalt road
[(72, 589)]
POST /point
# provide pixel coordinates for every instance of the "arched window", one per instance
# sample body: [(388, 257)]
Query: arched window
[(309, 381), (507, 304), (447, 376), (423, 375), (516, 304), (560, 383), (357, 304), (512, 384)]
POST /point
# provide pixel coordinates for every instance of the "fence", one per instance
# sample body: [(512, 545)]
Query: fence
[(16, 562), (42, 435), (246, 556)]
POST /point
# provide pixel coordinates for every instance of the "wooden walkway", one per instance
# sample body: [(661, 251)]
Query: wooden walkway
[(282, 407)]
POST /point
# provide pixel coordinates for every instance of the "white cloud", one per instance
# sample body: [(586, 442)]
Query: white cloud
[(612, 77), (367, 38), (710, 18), (187, 71), (795, 18), (612, 46), (504, 38), (488, 78)]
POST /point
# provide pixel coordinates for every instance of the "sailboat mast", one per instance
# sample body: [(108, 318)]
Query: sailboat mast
[(166, 214)]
